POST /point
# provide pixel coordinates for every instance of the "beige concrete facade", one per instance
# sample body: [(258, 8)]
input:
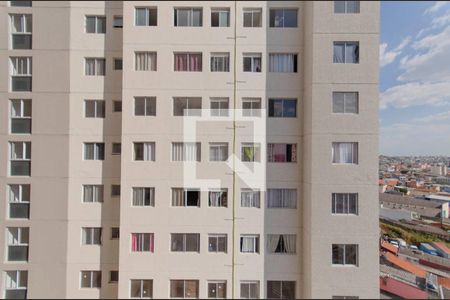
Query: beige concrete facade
[(60, 44)]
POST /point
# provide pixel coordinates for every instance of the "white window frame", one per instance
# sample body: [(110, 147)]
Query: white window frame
[(345, 204), (184, 243), (23, 155), (253, 111), (346, 7), (24, 19), (190, 20), (118, 21), (224, 58), (98, 112), (283, 9), (256, 197), (293, 158), (216, 237), (93, 230), (221, 12), (252, 11), (20, 199), (141, 241), (249, 283), (9, 281), (283, 201), (283, 101), (97, 29), (345, 95), (256, 246), (96, 191), (346, 44), (148, 101), (354, 153), (198, 147), (221, 111), (96, 153), (97, 70), (222, 192), (147, 15), (91, 285), (256, 152), (21, 116), (148, 151), (151, 61), (253, 57), (143, 190), (216, 283), (218, 145), (141, 289), (21, 66), (188, 60), (344, 256)]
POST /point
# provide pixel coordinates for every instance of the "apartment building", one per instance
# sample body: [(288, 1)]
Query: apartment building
[(189, 149)]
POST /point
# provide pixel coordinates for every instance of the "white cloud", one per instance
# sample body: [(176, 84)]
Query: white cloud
[(387, 57), (441, 20), (416, 94), (442, 116), (436, 6)]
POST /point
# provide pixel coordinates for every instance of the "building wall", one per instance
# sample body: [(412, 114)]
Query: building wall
[(60, 129)]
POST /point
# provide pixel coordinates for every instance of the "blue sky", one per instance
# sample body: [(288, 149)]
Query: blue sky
[(415, 78)]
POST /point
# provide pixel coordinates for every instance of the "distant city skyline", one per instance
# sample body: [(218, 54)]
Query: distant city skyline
[(415, 78)]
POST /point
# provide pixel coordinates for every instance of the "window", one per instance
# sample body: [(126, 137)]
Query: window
[(117, 64), (282, 198), (249, 289), (282, 153), (184, 288), (91, 279), (144, 151), (145, 61), (143, 196), (145, 106), (186, 151), (21, 70), (252, 17), (94, 151), (94, 108), (20, 3), (281, 243), (345, 254), (217, 243), (142, 242), (118, 22), (220, 62), (146, 16), (252, 62), (345, 102), (218, 198), (91, 235), (94, 67), (220, 17), (95, 24), (115, 233), (20, 158), (185, 242), (113, 276), (345, 153), (20, 116), (283, 108), (344, 297), (21, 29), (188, 17), (19, 201), (249, 243), (280, 289), (187, 106), (16, 281), (219, 107), (283, 63), (250, 198), (218, 151), (346, 52), (251, 152), (92, 193), (117, 106), (283, 17), (185, 197), (188, 62), (251, 107), (346, 7), (115, 190), (141, 288), (116, 149), (344, 203), (217, 289), (18, 238)]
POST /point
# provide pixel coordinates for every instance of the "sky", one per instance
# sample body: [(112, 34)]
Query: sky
[(415, 78)]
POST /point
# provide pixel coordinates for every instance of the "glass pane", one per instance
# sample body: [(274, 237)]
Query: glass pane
[(26, 108), (247, 19), (20, 168), (274, 289), (16, 294), (247, 64), (254, 290), (339, 7), (351, 53), (276, 18), (351, 252), (21, 84), (90, 24), (150, 106), (19, 210), (288, 290), (21, 126), (21, 3), (135, 291), (257, 19), (351, 103), (289, 108), (338, 102), (191, 289), (90, 109), (101, 25), (140, 16), (224, 19), (290, 18), (182, 17), (147, 288), (179, 106), (177, 242), (338, 53), (353, 7), (192, 242), (338, 254), (16, 108), (86, 279), (21, 41), (17, 253), (197, 17), (215, 19), (245, 290), (177, 289), (153, 17)]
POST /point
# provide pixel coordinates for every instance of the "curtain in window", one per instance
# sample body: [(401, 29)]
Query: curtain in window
[(344, 153), (214, 198), (145, 61), (143, 196), (281, 63), (256, 64), (177, 197), (149, 151), (272, 242), (90, 67), (218, 153), (282, 198), (134, 242), (100, 66), (248, 244), (185, 152), (277, 153), (289, 243), (338, 53), (181, 62), (195, 62), (351, 53), (250, 199)]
